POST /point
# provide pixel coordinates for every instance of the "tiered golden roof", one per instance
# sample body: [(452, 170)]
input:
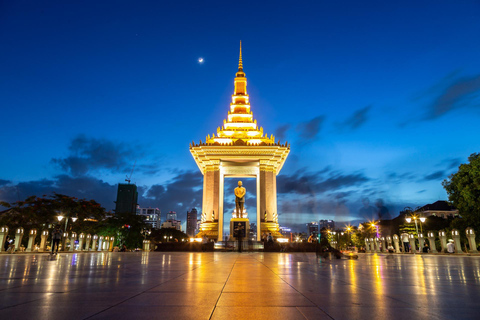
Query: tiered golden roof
[(240, 128)]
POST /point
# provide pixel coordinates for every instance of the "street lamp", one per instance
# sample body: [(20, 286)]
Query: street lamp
[(414, 217), (60, 218)]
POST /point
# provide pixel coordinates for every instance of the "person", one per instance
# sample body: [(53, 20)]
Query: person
[(239, 199), (425, 248), (7, 242), (450, 246), (56, 236), (390, 248), (270, 237), (124, 248), (404, 237)]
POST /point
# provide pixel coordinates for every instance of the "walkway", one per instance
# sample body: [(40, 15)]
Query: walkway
[(237, 286)]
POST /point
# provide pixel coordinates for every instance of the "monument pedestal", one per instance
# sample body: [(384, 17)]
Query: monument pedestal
[(242, 224)]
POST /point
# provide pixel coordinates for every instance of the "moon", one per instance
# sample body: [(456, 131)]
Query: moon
[(200, 60)]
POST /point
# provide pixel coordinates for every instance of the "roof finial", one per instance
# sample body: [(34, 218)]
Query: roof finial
[(240, 64)]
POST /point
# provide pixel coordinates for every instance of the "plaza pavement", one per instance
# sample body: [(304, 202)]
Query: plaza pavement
[(224, 285)]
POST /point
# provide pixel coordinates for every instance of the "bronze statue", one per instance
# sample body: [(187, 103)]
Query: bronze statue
[(239, 199)]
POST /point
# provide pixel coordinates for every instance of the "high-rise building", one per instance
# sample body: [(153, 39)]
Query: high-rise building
[(328, 224), (312, 228), (151, 216), (192, 218), (177, 224), (171, 215), (127, 197)]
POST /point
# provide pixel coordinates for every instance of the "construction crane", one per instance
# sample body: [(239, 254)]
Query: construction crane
[(130, 177)]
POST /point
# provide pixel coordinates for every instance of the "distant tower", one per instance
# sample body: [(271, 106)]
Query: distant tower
[(192, 218), (171, 215), (127, 197)]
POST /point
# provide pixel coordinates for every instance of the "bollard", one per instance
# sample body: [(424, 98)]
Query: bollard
[(72, 241), (100, 243), (471, 240), (367, 246), (87, 242), (105, 243), (376, 242), (396, 244), (94, 243), (3, 237), (18, 238), (443, 240), (112, 241), (389, 241), (384, 248), (146, 245), (32, 235), (431, 240), (456, 241), (43, 240), (64, 241), (81, 238), (421, 242), (413, 246)]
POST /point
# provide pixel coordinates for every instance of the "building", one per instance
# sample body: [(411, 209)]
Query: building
[(439, 208), (312, 228), (171, 215), (177, 224), (327, 224), (127, 197), (192, 221), (151, 216)]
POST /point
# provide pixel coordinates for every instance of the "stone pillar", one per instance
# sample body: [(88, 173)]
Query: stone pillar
[(112, 241), (88, 238), (471, 240), (376, 241), (395, 243), (443, 240), (456, 241), (64, 241), (211, 200), (3, 237), (81, 238), (100, 243), (43, 240), (367, 245), (413, 246), (18, 238), (72, 241), (106, 243), (421, 242), (389, 241), (94, 243), (384, 248), (146, 245), (431, 240), (32, 235)]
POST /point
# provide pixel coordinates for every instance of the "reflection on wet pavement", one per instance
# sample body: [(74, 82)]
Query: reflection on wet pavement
[(237, 286)]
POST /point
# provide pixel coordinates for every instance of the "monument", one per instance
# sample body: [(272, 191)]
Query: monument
[(239, 149)]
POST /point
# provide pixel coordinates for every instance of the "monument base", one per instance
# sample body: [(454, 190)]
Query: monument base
[(209, 229), (271, 227), (240, 223)]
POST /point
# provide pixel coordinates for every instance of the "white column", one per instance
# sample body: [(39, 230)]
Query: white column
[(72, 241), (81, 238), (443, 240), (384, 248), (87, 242), (32, 235), (43, 240), (3, 237), (94, 243), (106, 243), (396, 243), (100, 243), (471, 240), (64, 241), (421, 242), (413, 245), (456, 241), (112, 240), (431, 240), (18, 238)]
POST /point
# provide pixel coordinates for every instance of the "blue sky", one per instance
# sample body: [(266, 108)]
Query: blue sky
[(377, 99)]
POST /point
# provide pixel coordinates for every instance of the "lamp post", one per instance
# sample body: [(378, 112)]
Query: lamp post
[(145, 232), (415, 217), (60, 218)]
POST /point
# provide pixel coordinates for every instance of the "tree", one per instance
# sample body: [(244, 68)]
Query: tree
[(463, 189)]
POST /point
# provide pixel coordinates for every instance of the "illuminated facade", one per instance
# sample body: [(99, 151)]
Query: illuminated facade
[(239, 149)]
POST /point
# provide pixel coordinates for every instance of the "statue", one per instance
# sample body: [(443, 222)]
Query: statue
[(239, 199)]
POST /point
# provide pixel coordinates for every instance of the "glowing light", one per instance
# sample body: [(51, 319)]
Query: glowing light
[(408, 219), (60, 218), (422, 219), (200, 60), (282, 240)]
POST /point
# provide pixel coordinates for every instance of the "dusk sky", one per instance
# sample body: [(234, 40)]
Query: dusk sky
[(378, 99)]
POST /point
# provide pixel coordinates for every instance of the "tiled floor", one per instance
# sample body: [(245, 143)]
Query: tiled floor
[(238, 286)]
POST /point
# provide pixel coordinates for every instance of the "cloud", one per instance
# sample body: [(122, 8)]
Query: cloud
[(310, 129), (463, 92), (451, 163), (4, 182), (87, 155), (281, 131), (437, 175), (357, 119), (318, 182)]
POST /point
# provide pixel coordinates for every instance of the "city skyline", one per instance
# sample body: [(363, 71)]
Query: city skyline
[(377, 102)]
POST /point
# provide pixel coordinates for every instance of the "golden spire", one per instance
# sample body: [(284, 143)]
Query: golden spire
[(240, 64)]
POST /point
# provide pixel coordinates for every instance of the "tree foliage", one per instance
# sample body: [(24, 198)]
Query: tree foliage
[(463, 189)]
